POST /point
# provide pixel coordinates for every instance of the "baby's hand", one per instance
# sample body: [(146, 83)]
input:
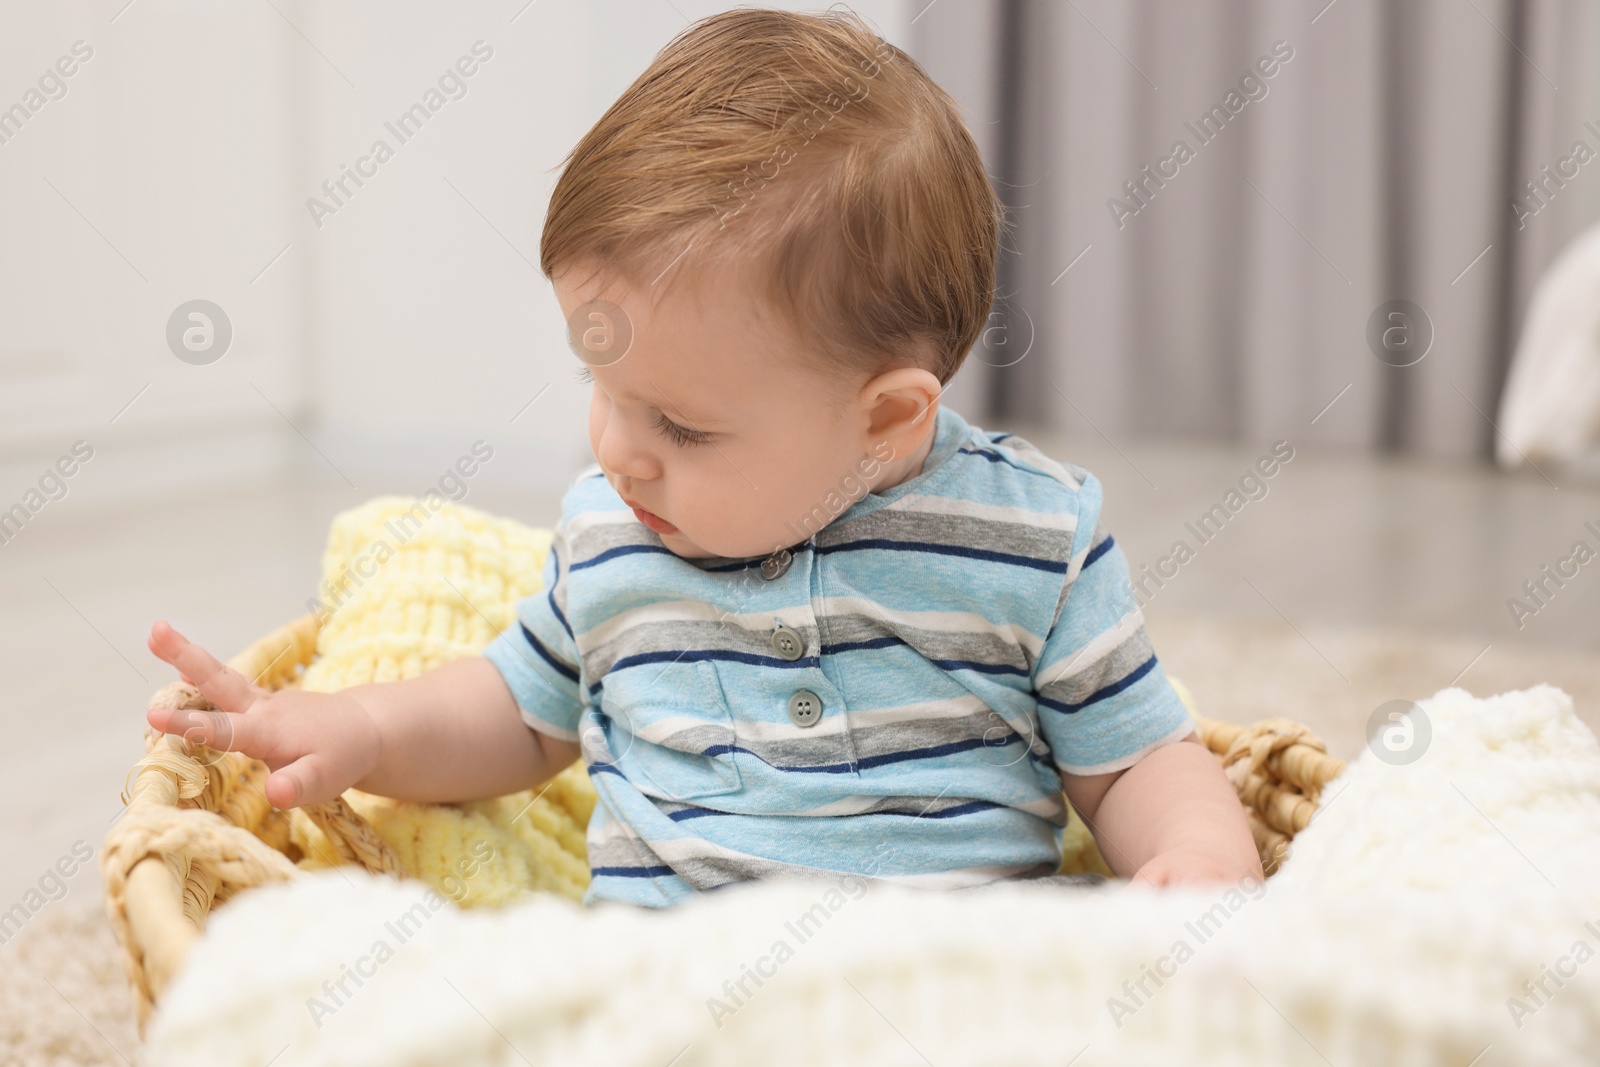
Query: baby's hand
[(316, 745), (1197, 864)]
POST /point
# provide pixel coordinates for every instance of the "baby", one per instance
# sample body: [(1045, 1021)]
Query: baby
[(799, 619)]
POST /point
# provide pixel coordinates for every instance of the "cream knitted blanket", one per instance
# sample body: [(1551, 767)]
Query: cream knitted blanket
[(1445, 912)]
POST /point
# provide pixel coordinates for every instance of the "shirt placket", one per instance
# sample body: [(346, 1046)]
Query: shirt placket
[(814, 697)]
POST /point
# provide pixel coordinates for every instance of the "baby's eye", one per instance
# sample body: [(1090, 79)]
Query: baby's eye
[(679, 434), (584, 375)]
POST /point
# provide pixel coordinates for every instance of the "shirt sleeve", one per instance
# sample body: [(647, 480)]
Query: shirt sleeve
[(1104, 700), (538, 655)]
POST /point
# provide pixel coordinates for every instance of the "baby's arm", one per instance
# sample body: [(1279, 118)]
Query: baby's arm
[(1172, 817), (452, 734)]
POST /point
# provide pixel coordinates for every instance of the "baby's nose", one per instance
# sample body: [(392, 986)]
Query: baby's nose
[(623, 460)]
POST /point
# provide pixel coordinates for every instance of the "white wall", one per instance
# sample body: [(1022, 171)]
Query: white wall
[(160, 176)]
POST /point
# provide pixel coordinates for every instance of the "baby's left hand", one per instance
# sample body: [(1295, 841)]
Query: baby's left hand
[(1199, 865)]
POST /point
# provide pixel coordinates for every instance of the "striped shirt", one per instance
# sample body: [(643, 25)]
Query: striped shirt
[(969, 634)]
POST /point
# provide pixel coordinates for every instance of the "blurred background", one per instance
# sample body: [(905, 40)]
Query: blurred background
[(1377, 244)]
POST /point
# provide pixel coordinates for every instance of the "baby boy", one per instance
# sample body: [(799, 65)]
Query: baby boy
[(799, 619)]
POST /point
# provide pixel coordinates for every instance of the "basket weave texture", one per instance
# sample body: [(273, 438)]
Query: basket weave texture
[(198, 828)]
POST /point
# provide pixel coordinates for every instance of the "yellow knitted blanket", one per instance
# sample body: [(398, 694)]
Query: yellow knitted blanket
[(408, 585)]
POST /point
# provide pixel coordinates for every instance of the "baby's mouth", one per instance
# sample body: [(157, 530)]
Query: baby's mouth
[(654, 521)]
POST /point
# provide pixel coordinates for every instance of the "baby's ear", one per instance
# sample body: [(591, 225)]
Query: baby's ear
[(901, 403)]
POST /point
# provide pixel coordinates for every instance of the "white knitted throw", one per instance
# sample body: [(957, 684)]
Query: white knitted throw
[(1446, 912)]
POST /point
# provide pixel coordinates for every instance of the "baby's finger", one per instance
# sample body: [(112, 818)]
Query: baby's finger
[(223, 686), (308, 780), (213, 729), (219, 730)]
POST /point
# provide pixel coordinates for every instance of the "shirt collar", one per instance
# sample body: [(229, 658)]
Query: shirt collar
[(950, 432)]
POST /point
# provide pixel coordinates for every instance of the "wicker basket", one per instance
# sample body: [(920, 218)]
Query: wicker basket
[(199, 829)]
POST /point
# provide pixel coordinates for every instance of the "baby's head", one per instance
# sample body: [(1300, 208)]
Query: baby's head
[(773, 252)]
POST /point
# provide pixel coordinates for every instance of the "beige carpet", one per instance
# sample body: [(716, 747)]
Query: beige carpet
[(62, 994), (1333, 678), (63, 998)]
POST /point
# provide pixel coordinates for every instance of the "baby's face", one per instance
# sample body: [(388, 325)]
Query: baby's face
[(713, 424)]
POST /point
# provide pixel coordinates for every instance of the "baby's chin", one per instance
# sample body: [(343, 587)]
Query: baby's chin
[(683, 546)]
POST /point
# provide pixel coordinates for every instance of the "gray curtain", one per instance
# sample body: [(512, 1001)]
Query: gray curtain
[(1230, 296)]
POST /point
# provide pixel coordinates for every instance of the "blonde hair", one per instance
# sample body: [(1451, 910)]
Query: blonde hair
[(881, 243)]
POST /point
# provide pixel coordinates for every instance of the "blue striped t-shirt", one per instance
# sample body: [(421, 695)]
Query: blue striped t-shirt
[(963, 636)]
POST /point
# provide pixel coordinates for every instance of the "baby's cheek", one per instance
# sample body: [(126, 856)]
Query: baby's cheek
[(597, 423), (735, 524)]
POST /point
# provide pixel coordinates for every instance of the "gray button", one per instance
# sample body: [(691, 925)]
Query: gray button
[(805, 708), (788, 643), (776, 564)]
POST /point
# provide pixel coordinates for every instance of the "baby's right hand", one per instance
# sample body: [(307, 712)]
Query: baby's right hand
[(316, 745)]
